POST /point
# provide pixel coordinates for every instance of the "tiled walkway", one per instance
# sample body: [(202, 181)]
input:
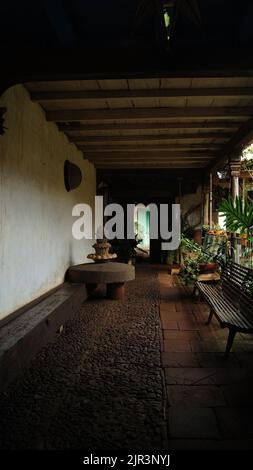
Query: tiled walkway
[(210, 399)]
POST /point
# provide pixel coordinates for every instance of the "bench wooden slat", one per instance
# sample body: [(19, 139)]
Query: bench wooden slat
[(228, 312), (230, 300)]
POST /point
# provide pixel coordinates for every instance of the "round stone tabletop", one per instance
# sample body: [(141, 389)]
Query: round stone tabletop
[(104, 273)]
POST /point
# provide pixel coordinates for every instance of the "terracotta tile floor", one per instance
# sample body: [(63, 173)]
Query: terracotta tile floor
[(210, 399)]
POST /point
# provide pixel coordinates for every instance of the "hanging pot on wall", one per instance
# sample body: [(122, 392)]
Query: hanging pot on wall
[(2, 128), (72, 176)]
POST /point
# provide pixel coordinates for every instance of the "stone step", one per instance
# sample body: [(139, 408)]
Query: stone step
[(23, 337)]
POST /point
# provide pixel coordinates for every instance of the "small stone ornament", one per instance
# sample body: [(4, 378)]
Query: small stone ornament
[(102, 254)]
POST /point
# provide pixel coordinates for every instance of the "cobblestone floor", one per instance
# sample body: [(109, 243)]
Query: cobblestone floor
[(119, 378), (99, 384)]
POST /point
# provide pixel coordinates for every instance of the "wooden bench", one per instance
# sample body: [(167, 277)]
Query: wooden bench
[(230, 300)]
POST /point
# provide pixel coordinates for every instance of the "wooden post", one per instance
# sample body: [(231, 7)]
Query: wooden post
[(243, 191), (179, 259), (205, 204), (211, 201), (235, 168)]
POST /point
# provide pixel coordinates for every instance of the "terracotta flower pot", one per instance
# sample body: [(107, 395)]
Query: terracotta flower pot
[(207, 267), (244, 240)]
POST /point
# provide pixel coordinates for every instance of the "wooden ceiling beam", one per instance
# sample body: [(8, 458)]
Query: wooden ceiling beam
[(130, 138), (148, 165), (231, 92), (147, 113), (123, 155), (106, 157), (173, 147), (242, 138), (147, 126), (140, 148), (129, 162)]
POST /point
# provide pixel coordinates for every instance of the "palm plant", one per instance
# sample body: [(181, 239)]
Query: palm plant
[(239, 215)]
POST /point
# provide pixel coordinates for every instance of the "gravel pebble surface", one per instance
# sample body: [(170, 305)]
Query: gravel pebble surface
[(98, 385)]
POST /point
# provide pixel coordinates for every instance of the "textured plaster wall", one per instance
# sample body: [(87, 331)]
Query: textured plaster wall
[(36, 244), (189, 201)]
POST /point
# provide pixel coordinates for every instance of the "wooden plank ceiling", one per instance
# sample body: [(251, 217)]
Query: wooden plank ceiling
[(151, 123)]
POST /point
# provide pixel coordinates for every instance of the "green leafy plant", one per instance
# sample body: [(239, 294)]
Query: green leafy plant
[(195, 256), (247, 160), (206, 228), (239, 215), (189, 245), (190, 271), (247, 164)]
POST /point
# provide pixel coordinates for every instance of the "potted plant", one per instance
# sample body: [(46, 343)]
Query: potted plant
[(205, 229), (190, 271), (215, 229), (196, 261), (126, 249), (207, 263)]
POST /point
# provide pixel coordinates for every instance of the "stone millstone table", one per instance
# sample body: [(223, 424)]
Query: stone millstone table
[(114, 275)]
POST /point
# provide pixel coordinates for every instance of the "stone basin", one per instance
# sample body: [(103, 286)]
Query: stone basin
[(114, 275)]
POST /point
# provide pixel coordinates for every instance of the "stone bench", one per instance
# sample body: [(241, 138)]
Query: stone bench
[(22, 337)]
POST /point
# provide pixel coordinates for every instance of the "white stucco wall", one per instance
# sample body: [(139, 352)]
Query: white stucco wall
[(36, 244)]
